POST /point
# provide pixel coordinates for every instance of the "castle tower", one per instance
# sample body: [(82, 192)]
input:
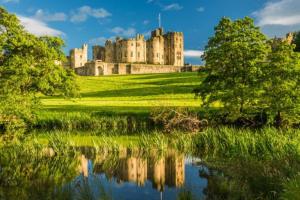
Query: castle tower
[(155, 47), (110, 50), (174, 48), (98, 53), (79, 57), (141, 50)]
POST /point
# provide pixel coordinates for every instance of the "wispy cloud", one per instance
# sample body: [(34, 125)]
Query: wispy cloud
[(146, 22), (129, 32), (82, 14), (38, 27), (46, 16), (174, 6), (99, 40), (9, 1), (200, 9), (193, 53), (277, 17)]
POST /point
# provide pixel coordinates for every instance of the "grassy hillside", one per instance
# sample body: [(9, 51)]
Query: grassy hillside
[(129, 94)]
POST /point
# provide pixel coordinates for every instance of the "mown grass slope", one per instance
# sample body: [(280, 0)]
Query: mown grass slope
[(129, 94)]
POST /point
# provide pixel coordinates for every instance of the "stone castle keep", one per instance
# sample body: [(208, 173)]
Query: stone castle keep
[(161, 53)]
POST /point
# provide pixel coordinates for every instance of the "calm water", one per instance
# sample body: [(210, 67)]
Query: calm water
[(132, 175)]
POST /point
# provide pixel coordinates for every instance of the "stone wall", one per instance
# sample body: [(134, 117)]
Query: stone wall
[(153, 69), (99, 68)]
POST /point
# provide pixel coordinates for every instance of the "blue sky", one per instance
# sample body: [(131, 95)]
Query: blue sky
[(94, 21)]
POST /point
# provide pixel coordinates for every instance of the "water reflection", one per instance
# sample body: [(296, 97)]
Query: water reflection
[(157, 176), (131, 174), (167, 170)]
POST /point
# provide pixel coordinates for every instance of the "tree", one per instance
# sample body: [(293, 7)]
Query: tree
[(296, 41), (282, 81), (29, 65), (234, 57)]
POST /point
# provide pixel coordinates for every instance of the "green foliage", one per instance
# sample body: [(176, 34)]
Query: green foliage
[(234, 60), (282, 81), (29, 65), (291, 188), (249, 75), (267, 143), (296, 41)]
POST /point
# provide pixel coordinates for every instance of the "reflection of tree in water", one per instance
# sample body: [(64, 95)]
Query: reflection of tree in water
[(27, 173), (245, 179)]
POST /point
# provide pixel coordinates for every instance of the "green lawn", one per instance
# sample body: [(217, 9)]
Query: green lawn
[(129, 94)]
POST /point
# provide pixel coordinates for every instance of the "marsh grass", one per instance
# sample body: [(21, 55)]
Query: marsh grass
[(291, 188), (75, 121), (265, 143)]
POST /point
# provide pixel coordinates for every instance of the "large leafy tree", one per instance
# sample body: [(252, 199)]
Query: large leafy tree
[(234, 59), (296, 41), (282, 81), (29, 65)]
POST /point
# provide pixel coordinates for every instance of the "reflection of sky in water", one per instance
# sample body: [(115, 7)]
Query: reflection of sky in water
[(98, 182)]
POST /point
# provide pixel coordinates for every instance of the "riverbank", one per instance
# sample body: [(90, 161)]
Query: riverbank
[(245, 164)]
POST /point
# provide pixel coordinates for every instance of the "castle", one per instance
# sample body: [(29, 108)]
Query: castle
[(161, 53)]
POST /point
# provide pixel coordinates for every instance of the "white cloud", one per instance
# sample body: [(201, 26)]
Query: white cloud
[(174, 6), (193, 53), (200, 9), (45, 16), (37, 27), (99, 40), (124, 32), (279, 17), (84, 12), (283, 12)]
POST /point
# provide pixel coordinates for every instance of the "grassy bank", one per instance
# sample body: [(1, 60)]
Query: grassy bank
[(128, 94), (261, 161), (118, 102)]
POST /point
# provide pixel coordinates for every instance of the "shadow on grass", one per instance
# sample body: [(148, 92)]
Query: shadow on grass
[(145, 91), (171, 75)]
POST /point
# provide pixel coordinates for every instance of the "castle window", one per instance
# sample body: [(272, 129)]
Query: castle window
[(80, 56), (131, 54), (157, 55), (132, 44), (138, 54)]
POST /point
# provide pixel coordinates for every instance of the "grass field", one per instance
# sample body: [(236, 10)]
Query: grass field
[(128, 94)]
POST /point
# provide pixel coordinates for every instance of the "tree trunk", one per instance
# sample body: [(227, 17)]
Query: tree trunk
[(278, 120)]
